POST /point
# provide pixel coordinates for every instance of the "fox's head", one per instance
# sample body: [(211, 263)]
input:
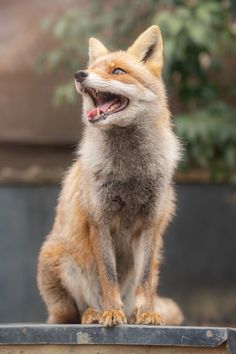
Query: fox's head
[(121, 87)]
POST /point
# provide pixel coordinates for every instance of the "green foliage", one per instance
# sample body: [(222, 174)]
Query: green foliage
[(209, 138), (65, 93), (198, 34)]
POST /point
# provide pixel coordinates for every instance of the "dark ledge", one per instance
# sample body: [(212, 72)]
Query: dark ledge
[(127, 335)]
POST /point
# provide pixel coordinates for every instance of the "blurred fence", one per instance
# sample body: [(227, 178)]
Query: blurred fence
[(199, 256)]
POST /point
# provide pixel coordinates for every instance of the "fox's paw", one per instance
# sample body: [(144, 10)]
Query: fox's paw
[(90, 316), (149, 318), (111, 318)]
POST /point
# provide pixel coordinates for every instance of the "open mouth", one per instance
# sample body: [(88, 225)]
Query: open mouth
[(105, 103)]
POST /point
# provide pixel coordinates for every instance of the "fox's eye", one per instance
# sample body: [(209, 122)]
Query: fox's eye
[(118, 71)]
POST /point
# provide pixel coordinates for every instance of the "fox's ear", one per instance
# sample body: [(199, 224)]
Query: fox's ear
[(96, 49), (148, 48)]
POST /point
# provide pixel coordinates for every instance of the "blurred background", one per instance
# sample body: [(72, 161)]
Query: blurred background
[(42, 44)]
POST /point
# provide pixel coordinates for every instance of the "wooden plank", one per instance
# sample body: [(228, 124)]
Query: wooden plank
[(107, 349)]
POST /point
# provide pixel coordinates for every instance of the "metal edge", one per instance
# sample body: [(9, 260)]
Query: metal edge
[(128, 334), (231, 340), (152, 335)]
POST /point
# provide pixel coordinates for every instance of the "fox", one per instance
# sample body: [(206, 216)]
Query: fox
[(100, 262)]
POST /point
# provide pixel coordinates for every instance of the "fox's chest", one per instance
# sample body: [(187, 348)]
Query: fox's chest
[(128, 178), (128, 198)]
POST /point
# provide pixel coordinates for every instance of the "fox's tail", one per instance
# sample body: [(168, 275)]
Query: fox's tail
[(169, 311)]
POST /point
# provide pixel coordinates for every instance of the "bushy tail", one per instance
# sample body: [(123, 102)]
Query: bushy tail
[(169, 311)]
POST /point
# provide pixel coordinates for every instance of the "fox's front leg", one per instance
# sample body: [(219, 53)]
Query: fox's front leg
[(145, 253), (112, 304)]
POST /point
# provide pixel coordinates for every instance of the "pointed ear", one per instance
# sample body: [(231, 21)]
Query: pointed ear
[(148, 48), (96, 49)]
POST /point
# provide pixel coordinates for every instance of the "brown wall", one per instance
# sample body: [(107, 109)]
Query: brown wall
[(33, 133)]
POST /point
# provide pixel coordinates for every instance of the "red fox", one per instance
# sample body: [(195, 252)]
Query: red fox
[(100, 262)]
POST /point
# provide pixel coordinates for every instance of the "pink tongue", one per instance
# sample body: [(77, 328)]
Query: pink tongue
[(100, 109)]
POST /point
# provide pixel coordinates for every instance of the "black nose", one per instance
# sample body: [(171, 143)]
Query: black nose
[(80, 75)]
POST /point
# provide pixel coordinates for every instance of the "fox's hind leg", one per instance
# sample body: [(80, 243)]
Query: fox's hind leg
[(60, 304)]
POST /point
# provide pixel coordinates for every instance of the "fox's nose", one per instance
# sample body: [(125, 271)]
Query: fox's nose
[(80, 75)]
